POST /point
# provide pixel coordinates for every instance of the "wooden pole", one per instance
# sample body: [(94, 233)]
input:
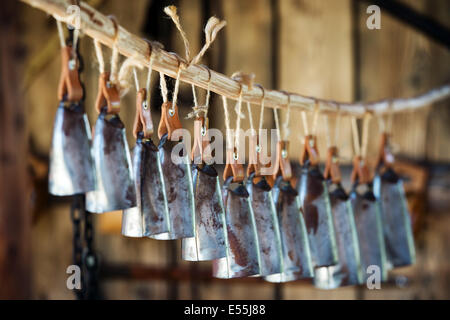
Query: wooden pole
[(100, 27), (15, 217)]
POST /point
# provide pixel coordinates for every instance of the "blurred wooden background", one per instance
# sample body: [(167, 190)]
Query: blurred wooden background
[(318, 48)]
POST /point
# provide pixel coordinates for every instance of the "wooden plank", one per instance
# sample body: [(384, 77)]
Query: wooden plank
[(15, 194), (316, 59)]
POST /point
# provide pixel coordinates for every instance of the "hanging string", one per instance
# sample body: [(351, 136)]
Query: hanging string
[(327, 130), (238, 120), (315, 118), (171, 11), (136, 80), (163, 87), (356, 145), (305, 123), (277, 123), (365, 135), (149, 79), (76, 34), (213, 26), (250, 116), (99, 54), (194, 94), (286, 121), (62, 40), (208, 96), (176, 88), (114, 64), (197, 109), (227, 122), (337, 128), (261, 112)]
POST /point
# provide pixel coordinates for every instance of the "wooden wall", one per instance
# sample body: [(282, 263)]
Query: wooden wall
[(305, 46)]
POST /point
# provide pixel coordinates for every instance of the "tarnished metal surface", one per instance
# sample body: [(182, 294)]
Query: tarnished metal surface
[(150, 192), (268, 232), (315, 204), (242, 244), (297, 262), (396, 220), (132, 223), (71, 168), (348, 270), (209, 241), (370, 232), (179, 193), (115, 189)]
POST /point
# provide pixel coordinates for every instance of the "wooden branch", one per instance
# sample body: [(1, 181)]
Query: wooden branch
[(100, 27)]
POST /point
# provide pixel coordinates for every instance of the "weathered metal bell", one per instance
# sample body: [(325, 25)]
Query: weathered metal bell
[(209, 241), (370, 232), (242, 242), (315, 204), (71, 169), (348, 270), (115, 189), (297, 263), (268, 231), (396, 220), (152, 210), (388, 189), (177, 179)]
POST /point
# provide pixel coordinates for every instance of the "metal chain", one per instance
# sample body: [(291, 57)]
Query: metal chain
[(76, 213)]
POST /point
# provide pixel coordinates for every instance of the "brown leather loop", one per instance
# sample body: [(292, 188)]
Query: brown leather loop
[(233, 168), (361, 172), (143, 120), (69, 82), (385, 156), (332, 170), (169, 121), (282, 164), (108, 95), (310, 151)]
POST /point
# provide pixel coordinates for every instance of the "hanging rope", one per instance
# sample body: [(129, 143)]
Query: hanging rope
[(277, 123), (286, 121), (227, 123), (355, 135), (261, 112), (99, 54), (62, 40), (163, 87), (365, 135)]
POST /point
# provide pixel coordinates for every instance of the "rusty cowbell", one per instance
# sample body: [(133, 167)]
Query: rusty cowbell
[(242, 256), (348, 270), (396, 219), (296, 253), (316, 208), (368, 222), (71, 168), (177, 176), (209, 240), (115, 189), (151, 214), (268, 231)]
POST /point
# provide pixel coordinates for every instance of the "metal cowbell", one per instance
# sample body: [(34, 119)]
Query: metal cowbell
[(115, 188), (348, 270), (177, 178), (71, 169), (242, 242), (268, 232), (396, 219), (151, 211), (151, 215), (316, 209), (209, 240), (297, 263)]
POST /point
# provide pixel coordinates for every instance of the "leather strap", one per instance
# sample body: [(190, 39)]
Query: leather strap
[(361, 172), (254, 163), (310, 151), (233, 168), (69, 82), (143, 120), (282, 164), (108, 95), (169, 120), (332, 170)]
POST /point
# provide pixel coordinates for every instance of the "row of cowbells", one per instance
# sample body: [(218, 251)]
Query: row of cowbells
[(265, 226)]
